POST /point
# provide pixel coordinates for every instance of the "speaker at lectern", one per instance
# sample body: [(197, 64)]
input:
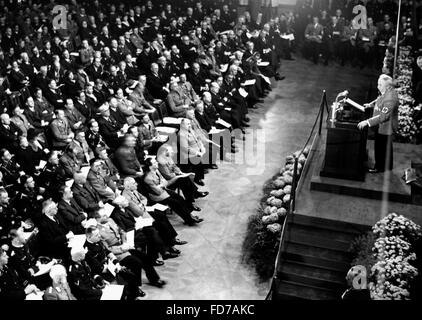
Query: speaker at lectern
[(345, 150)]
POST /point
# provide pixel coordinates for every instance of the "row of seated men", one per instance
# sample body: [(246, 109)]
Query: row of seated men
[(337, 38), (80, 139)]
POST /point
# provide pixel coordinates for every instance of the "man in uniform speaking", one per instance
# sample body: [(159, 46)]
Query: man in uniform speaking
[(386, 118)]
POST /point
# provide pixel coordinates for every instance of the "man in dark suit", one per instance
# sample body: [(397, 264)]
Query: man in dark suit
[(145, 59), (197, 78), (53, 233), (9, 133), (85, 195), (87, 110), (53, 95), (110, 130), (81, 279), (155, 84), (71, 213), (188, 50), (176, 60), (95, 70)]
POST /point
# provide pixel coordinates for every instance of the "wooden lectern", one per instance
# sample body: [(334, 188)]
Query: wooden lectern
[(345, 152)]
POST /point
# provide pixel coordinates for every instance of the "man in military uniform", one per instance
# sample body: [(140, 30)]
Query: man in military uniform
[(98, 258), (10, 169), (386, 119), (82, 283), (177, 101), (12, 287), (8, 216)]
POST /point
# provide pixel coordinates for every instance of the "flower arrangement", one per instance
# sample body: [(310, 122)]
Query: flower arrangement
[(407, 128), (397, 225), (392, 272), (264, 228)]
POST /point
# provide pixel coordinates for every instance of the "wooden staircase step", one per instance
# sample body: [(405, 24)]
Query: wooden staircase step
[(316, 252), (314, 282), (295, 289), (316, 241), (334, 225), (317, 262), (322, 232), (313, 271)]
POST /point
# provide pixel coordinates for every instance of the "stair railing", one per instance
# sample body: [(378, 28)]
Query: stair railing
[(295, 183)]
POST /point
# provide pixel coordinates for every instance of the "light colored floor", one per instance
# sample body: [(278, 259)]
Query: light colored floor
[(210, 266)]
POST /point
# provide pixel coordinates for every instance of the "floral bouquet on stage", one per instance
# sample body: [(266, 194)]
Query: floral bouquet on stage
[(407, 128), (393, 272), (397, 225)]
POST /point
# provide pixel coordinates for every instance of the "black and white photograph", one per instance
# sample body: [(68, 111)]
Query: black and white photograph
[(248, 153)]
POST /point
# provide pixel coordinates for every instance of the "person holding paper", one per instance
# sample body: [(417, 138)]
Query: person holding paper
[(23, 260), (385, 119), (159, 192), (148, 235), (212, 149), (137, 206), (104, 264), (12, 286), (114, 240), (175, 177)]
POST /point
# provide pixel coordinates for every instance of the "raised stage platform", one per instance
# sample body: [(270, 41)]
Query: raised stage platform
[(354, 201), (376, 186)]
